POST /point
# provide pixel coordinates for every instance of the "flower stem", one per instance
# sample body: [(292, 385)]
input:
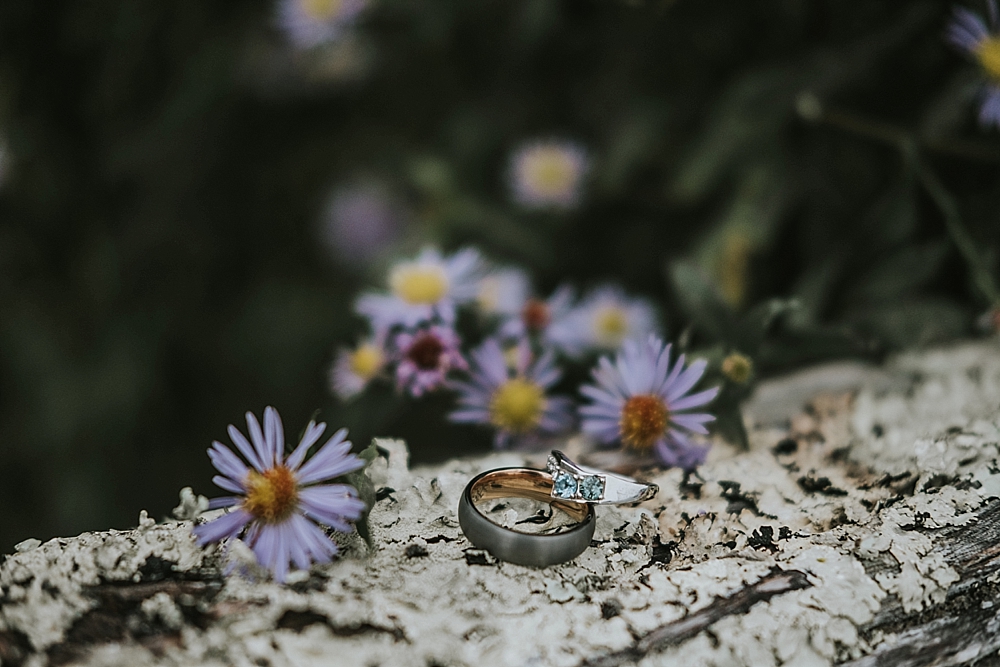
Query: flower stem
[(909, 145), (980, 273)]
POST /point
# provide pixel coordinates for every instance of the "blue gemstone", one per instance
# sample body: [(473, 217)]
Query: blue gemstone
[(564, 486), (592, 488)]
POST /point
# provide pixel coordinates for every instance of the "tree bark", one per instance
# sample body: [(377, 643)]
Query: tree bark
[(861, 528)]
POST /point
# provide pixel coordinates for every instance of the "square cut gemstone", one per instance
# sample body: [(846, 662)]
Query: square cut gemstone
[(564, 486), (592, 488)]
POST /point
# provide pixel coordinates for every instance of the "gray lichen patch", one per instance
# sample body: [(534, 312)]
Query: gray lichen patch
[(822, 543), (49, 589)]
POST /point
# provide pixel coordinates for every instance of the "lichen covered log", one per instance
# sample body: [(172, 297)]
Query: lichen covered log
[(861, 527)]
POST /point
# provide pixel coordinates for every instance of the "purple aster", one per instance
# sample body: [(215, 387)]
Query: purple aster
[(425, 357), (424, 289), (503, 292), (548, 174), (310, 23), (361, 220), (971, 34), (511, 397), (641, 401), (605, 318), (281, 503)]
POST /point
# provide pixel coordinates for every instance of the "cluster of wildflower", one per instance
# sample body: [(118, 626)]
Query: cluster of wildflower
[(639, 396)]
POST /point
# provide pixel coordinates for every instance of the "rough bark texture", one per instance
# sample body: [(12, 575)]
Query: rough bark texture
[(861, 528)]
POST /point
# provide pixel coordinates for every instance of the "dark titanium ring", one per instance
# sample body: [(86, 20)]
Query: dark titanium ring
[(537, 550)]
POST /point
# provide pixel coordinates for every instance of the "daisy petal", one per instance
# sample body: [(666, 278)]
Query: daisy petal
[(309, 438), (228, 484), (227, 525), (695, 400), (245, 448)]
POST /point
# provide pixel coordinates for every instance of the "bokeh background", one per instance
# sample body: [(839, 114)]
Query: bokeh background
[(190, 203)]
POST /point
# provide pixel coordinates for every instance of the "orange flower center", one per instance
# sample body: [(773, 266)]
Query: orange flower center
[(535, 315), (644, 419), (272, 494)]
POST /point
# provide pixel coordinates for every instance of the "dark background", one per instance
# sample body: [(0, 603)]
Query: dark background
[(167, 165)]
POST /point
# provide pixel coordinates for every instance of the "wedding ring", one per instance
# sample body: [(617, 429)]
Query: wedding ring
[(576, 483), (538, 550)]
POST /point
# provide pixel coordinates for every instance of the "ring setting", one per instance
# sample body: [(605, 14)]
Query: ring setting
[(576, 483)]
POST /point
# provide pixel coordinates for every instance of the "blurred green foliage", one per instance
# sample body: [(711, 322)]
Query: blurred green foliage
[(167, 165)]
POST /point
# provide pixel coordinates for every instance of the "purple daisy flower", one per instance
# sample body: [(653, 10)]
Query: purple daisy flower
[(503, 292), (971, 34), (512, 399), (361, 220), (642, 401), (354, 369), (426, 288), (425, 357), (548, 174), (310, 23), (281, 502), (605, 318)]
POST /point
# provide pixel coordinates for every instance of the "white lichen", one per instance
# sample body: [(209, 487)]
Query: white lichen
[(867, 474)]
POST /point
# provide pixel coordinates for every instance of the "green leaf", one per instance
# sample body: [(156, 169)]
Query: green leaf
[(746, 227), (892, 219), (796, 348), (914, 322), (756, 323), (901, 273), (635, 139), (702, 302), (729, 424), (366, 490), (814, 290)]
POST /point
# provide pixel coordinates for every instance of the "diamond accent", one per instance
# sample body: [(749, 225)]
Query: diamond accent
[(592, 488), (564, 486), (552, 465)]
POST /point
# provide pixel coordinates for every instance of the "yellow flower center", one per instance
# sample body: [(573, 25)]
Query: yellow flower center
[(551, 172), (517, 405), (272, 494), (988, 53), (644, 419), (489, 294), (321, 10), (611, 326), (366, 361), (737, 367), (419, 283)]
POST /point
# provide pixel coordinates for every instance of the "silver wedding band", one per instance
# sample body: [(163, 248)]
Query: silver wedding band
[(538, 550)]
